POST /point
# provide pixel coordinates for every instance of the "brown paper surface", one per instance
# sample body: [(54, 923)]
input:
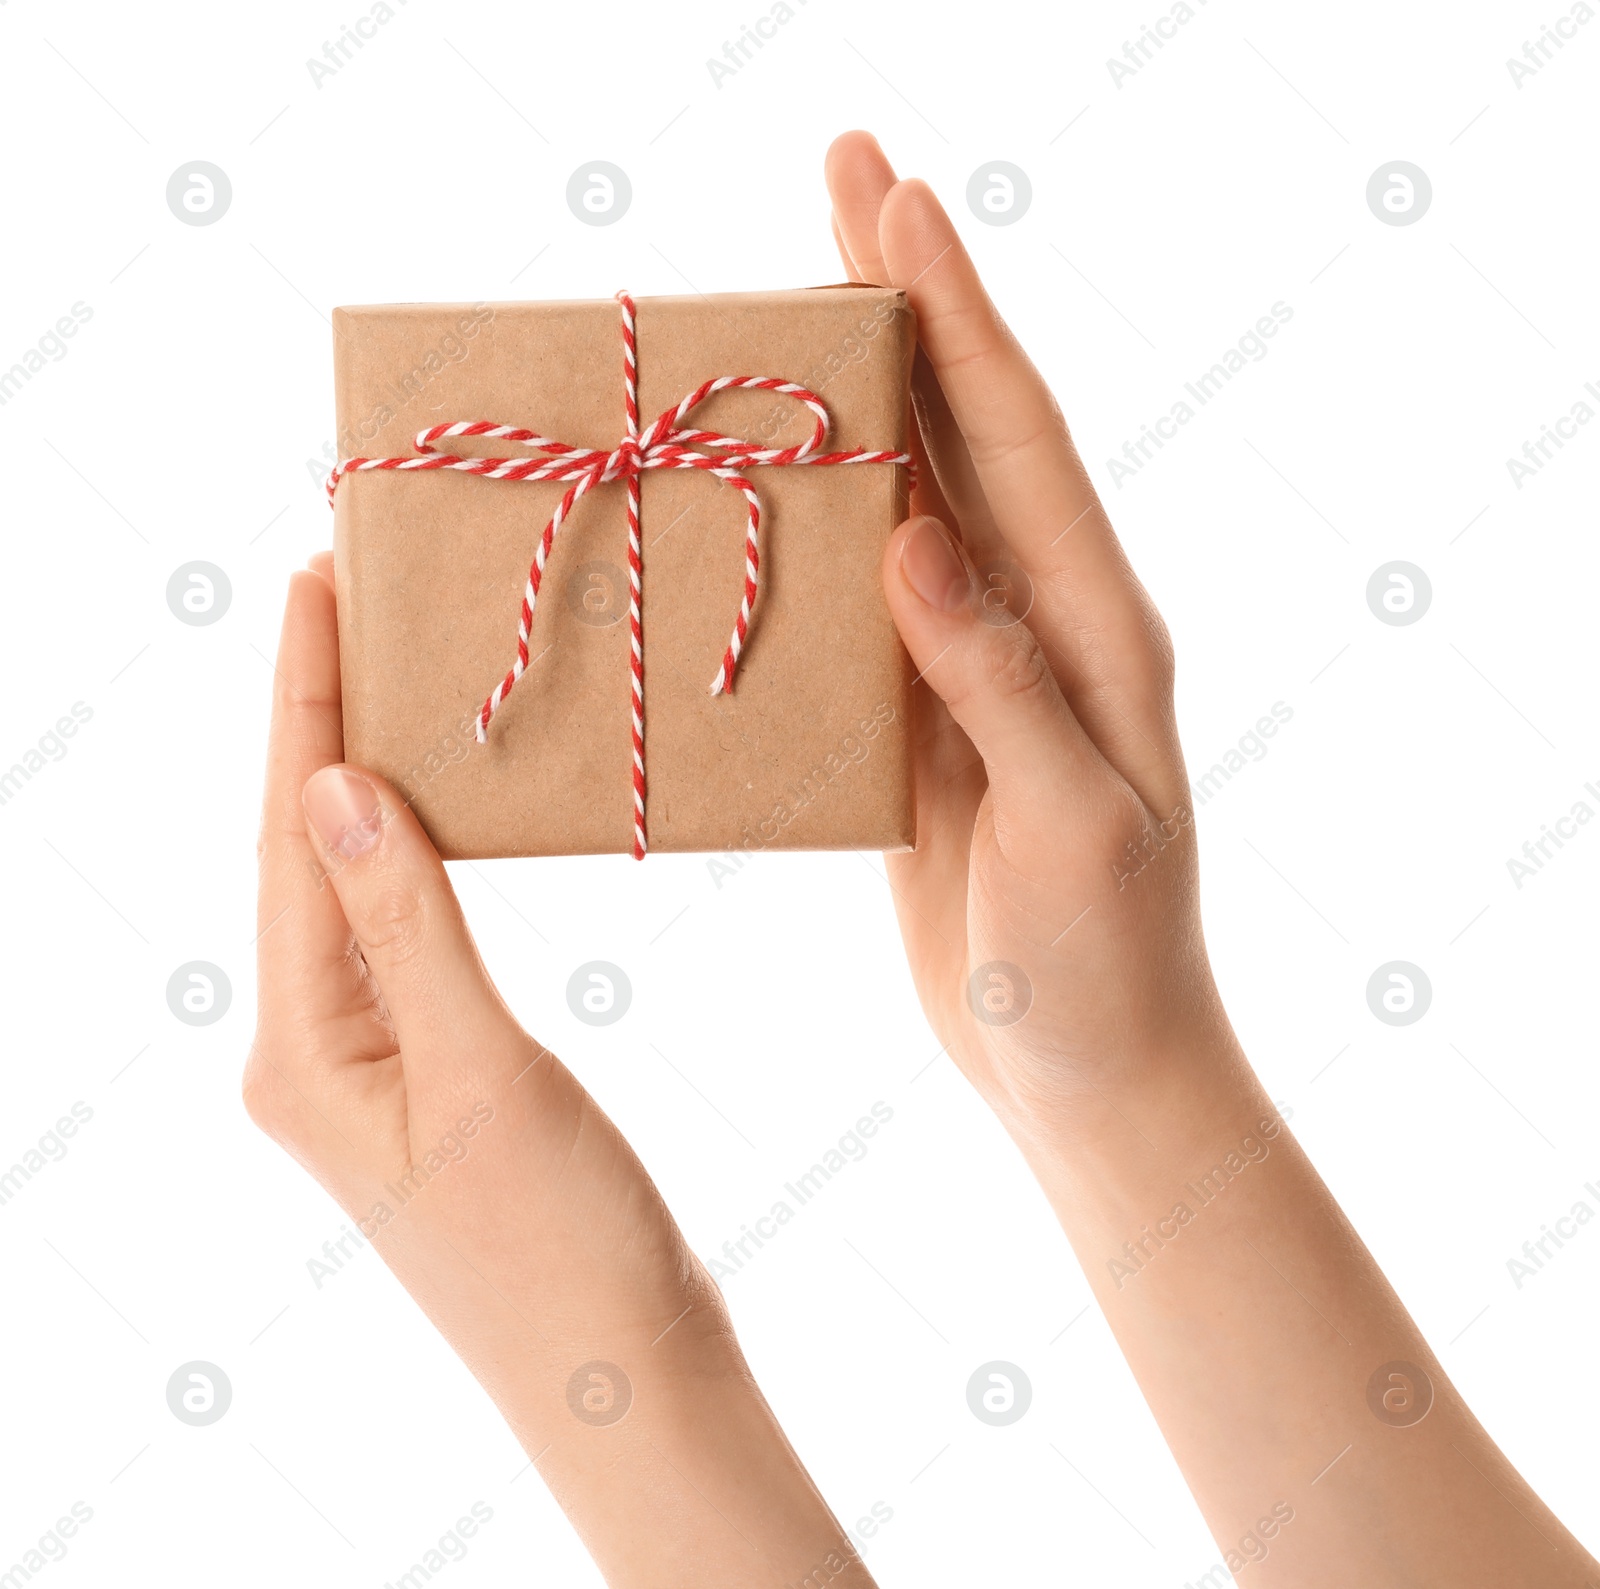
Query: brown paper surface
[(812, 749)]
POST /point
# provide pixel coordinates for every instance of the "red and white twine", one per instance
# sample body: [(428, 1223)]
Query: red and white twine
[(665, 444)]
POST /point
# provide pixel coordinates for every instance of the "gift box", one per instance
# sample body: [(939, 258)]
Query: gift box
[(487, 609)]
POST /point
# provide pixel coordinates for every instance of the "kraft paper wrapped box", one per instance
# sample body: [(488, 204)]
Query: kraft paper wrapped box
[(810, 750)]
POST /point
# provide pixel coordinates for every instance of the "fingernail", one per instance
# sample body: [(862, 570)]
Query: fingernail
[(934, 567), (343, 808)]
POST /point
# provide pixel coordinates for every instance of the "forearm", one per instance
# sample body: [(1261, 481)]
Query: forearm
[(1315, 1427), (697, 1484), (573, 1298)]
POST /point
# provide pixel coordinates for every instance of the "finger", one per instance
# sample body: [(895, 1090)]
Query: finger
[(860, 180), (994, 679), (858, 174), (850, 267), (927, 474), (1021, 453), (1013, 428), (321, 564), (1018, 455), (1118, 684), (1094, 617), (1005, 464), (953, 471), (300, 929), (296, 1085), (450, 1022)]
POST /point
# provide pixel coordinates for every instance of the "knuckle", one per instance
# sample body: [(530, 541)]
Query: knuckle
[(1161, 663), (255, 1103), (1141, 841), (393, 921), (1139, 652), (1018, 670), (992, 451), (266, 1098)]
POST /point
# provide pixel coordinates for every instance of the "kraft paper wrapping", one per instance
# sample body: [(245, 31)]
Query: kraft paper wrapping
[(810, 751)]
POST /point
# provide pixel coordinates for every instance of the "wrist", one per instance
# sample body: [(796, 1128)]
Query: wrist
[(1180, 1093)]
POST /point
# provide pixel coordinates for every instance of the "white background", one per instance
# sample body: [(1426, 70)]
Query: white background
[(1168, 214)]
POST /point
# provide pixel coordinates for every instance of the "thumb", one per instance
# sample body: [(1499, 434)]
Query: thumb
[(995, 678), (403, 912)]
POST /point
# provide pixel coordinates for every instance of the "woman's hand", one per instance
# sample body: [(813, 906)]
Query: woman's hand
[(1050, 908), (489, 1180), (387, 1063)]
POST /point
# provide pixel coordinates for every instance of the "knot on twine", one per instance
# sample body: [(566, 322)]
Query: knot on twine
[(665, 444), (628, 459)]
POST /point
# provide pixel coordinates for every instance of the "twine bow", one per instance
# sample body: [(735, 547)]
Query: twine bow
[(665, 444)]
